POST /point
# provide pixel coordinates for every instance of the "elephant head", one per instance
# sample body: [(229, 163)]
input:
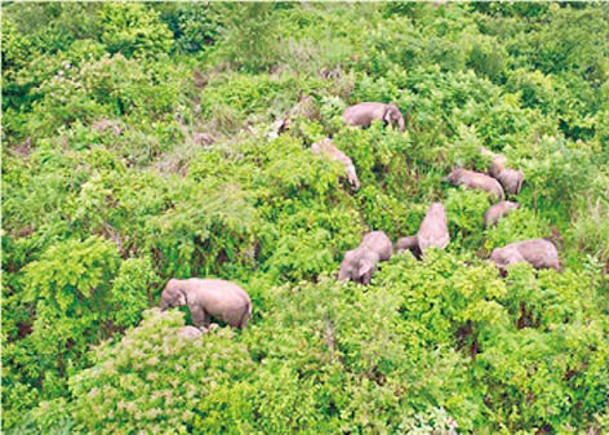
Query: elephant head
[(503, 257), (393, 114), (173, 295), (358, 265), (454, 176), (496, 212)]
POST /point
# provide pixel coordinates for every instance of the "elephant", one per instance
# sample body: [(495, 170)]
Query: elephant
[(190, 332), (410, 243), (358, 265), (208, 298), (362, 114), (433, 232), (510, 179), (498, 162), (378, 242), (498, 211), (476, 180), (539, 253), (327, 147)]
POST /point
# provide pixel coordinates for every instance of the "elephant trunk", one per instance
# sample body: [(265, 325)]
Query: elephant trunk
[(401, 124), (163, 305), (352, 177)]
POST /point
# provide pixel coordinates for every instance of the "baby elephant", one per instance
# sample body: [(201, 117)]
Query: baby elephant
[(359, 264), (189, 332), (539, 253), (476, 180), (207, 298), (498, 211), (433, 232), (362, 114), (327, 147)]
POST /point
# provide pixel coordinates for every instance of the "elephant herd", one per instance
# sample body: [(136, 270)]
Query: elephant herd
[(224, 300)]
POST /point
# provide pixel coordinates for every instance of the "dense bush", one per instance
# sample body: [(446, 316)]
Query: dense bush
[(138, 147)]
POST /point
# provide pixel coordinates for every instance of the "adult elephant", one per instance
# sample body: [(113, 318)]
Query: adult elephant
[(362, 114), (207, 298), (476, 180), (539, 253), (433, 232)]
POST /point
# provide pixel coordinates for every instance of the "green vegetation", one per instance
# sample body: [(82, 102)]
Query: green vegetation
[(136, 148)]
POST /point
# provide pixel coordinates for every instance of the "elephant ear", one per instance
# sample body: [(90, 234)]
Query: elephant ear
[(178, 297), (393, 114), (388, 117), (520, 180), (365, 271)]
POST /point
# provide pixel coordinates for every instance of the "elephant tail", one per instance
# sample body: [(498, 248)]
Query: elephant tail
[(247, 311)]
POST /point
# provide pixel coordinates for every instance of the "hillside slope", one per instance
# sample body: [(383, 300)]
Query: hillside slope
[(139, 144)]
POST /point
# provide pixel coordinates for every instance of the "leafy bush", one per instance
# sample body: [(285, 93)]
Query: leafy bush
[(133, 385), (134, 30)]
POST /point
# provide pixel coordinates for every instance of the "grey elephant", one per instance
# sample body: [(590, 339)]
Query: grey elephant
[(498, 211), (362, 114), (190, 332), (378, 242), (539, 253), (510, 179), (358, 265), (207, 298), (476, 180), (327, 147), (498, 162), (410, 243), (433, 232)]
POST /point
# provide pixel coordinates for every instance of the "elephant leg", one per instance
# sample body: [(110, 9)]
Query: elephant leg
[(200, 317), (244, 317)]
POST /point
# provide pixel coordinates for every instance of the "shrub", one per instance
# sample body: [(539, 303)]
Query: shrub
[(154, 378), (134, 30)]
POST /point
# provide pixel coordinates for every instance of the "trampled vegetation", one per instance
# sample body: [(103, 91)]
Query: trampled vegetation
[(137, 147)]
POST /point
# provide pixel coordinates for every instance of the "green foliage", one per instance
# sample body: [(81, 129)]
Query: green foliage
[(251, 42), (518, 225), (133, 275), (70, 288), (195, 26), (591, 231), (154, 378), (134, 30), (487, 57), (465, 211), (137, 148)]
